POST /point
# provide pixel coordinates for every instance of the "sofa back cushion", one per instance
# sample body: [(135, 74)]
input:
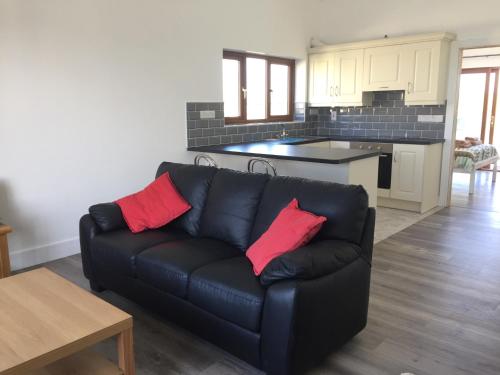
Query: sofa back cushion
[(193, 183), (231, 206), (344, 206)]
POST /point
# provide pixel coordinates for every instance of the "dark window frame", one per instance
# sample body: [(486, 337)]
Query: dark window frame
[(241, 58)]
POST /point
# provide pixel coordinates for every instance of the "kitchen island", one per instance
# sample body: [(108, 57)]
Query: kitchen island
[(300, 157)]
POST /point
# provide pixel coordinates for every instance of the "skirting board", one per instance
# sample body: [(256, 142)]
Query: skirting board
[(42, 254)]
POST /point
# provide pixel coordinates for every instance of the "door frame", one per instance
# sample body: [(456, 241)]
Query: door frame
[(488, 71), (454, 71)]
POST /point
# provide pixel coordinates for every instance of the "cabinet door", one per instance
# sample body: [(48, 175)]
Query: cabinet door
[(423, 64), (407, 172), (384, 69), (321, 79), (348, 77)]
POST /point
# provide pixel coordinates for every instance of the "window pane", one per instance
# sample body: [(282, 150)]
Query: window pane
[(279, 90), (470, 105), (256, 88), (231, 87)]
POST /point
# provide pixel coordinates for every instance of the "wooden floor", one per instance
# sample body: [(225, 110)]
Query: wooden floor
[(434, 308)]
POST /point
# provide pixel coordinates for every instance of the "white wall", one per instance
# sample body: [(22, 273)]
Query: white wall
[(93, 93)]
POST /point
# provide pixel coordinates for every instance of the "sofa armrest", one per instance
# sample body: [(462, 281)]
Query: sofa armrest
[(88, 230), (304, 320), (314, 260), (107, 216)]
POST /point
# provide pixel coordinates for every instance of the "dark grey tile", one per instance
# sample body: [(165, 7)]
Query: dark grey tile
[(408, 110), (400, 118), (372, 118), (387, 118), (423, 110), (214, 140), (379, 126), (430, 134), (422, 126), (323, 132), (195, 133), (191, 142), (225, 139), (247, 137), (191, 124), (252, 129), (347, 132), (438, 110), (399, 103), (231, 130), (202, 123), (394, 111), (193, 115), (219, 114), (190, 106), (207, 132), (395, 95), (201, 142), (219, 131), (202, 106), (359, 132), (371, 133), (407, 126), (380, 111), (216, 123), (385, 133), (236, 138), (414, 134), (412, 118), (242, 129)]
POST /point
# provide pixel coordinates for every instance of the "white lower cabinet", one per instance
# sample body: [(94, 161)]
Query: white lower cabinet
[(407, 172), (415, 178)]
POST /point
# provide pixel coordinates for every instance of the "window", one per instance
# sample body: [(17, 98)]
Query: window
[(257, 88)]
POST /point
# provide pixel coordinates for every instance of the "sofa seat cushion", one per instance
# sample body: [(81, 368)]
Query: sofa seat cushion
[(230, 290), (117, 250), (168, 266)]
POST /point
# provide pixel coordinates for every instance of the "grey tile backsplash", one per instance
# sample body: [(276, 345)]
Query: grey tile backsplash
[(388, 117), (204, 132)]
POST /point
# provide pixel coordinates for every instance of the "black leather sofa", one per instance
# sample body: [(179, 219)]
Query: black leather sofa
[(194, 271)]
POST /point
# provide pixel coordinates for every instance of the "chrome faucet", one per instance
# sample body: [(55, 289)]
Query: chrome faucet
[(283, 133)]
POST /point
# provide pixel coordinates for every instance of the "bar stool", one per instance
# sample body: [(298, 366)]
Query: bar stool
[(267, 164)]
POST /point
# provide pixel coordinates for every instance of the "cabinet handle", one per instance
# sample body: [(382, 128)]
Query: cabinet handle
[(383, 87), (409, 87), (336, 91), (395, 160), (331, 90)]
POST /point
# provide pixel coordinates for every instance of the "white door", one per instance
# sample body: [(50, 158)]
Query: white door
[(321, 79), (348, 77), (384, 69), (423, 65), (407, 172)]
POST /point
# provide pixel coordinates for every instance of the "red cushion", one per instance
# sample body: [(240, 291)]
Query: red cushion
[(158, 204), (291, 229)]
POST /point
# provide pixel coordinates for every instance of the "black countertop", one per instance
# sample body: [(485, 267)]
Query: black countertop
[(277, 150), (410, 141), (287, 149)]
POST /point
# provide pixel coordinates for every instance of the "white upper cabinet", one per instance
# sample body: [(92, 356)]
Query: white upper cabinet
[(384, 69), (427, 73), (342, 75), (348, 78), (336, 79), (321, 90)]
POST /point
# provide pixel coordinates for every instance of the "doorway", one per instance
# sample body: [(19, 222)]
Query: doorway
[(478, 107)]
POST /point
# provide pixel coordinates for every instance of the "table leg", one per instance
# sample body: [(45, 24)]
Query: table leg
[(4, 257), (125, 346)]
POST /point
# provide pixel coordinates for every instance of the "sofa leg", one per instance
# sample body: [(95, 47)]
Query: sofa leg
[(96, 287)]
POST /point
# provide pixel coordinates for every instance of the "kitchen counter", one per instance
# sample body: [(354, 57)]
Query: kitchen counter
[(275, 149), (410, 141)]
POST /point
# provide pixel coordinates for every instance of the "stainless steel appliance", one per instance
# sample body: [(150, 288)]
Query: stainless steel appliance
[(384, 161)]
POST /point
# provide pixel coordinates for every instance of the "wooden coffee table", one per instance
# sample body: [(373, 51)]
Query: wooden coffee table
[(47, 323)]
